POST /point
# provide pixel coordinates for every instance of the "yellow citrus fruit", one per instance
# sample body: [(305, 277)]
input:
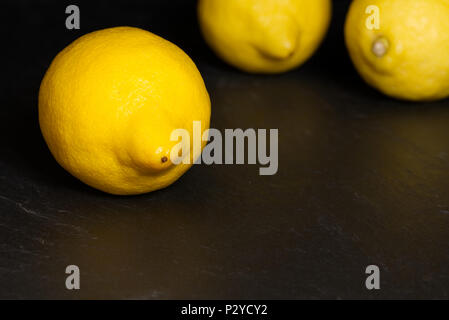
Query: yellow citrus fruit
[(109, 103), (264, 36), (406, 55)]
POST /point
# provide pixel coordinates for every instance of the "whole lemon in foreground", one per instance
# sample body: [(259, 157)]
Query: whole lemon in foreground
[(401, 47), (109, 103), (264, 36)]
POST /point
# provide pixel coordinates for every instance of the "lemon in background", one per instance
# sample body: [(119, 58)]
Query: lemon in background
[(264, 36), (109, 103), (407, 56)]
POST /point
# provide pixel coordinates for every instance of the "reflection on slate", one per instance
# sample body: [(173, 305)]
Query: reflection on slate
[(363, 179)]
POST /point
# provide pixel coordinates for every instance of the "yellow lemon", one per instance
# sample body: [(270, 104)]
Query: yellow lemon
[(401, 47), (264, 36), (109, 103)]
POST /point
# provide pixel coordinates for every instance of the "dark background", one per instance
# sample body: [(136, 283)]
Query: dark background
[(363, 179)]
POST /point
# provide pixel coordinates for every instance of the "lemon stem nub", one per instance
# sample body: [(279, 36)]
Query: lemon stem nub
[(380, 47), (164, 159)]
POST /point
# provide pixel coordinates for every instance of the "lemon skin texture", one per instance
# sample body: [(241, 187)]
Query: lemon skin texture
[(109, 102), (264, 36), (408, 56)]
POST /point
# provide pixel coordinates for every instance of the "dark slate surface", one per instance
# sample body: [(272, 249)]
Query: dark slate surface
[(362, 180)]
